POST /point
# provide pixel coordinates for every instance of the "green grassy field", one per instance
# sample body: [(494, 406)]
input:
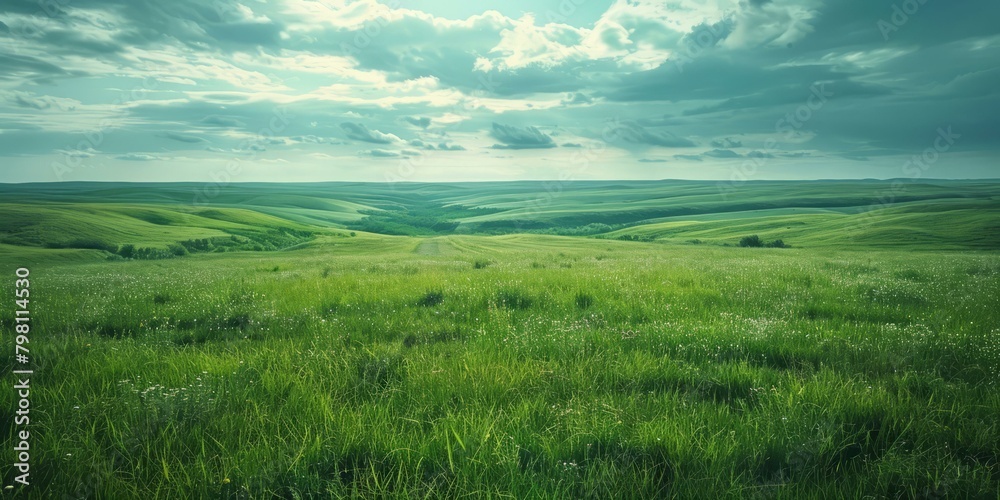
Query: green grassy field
[(294, 355)]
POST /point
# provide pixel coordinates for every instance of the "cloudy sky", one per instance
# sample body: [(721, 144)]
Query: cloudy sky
[(438, 90)]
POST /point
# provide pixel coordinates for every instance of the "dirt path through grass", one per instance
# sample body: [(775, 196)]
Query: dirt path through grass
[(428, 247)]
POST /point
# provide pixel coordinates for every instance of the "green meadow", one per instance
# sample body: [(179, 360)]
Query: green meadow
[(507, 340)]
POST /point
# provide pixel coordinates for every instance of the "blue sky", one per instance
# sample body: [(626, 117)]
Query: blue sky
[(429, 90)]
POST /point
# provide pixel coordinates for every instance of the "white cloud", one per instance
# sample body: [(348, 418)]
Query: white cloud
[(139, 157), (528, 44), (776, 23), (360, 132)]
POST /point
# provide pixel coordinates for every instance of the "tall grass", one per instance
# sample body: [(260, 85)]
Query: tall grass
[(633, 371)]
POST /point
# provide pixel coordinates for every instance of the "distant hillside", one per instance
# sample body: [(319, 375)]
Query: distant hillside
[(180, 218), (951, 224), (145, 231)]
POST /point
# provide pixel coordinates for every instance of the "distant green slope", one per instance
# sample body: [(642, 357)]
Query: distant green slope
[(947, 214), (942, 225), (97, 226)]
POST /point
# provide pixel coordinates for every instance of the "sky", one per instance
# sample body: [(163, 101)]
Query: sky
[(437, 90)]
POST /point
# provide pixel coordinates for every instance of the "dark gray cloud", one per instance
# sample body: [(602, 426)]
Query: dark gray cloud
[(190, 139), (228, 25), (138, 157), (688, 157), (71, 41), (418, 121), (578, 98), (382, 153), (722, 153), (222, 121), (41, 103), (29, 102), (359, 132), (780, 94), (721, 76), (727, 143), (513, 137), (637, 134), (855, 23), (728, 154), (19, 67), (441, 146)]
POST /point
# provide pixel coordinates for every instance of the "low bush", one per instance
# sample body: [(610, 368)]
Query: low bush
[(513, 298), (431, 299), (755, 241)]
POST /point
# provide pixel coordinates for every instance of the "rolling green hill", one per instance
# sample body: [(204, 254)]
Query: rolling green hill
[(943, 225), (150, 231), (164, 217)]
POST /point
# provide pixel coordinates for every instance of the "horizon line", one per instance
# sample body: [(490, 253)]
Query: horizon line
[(565, 181)]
